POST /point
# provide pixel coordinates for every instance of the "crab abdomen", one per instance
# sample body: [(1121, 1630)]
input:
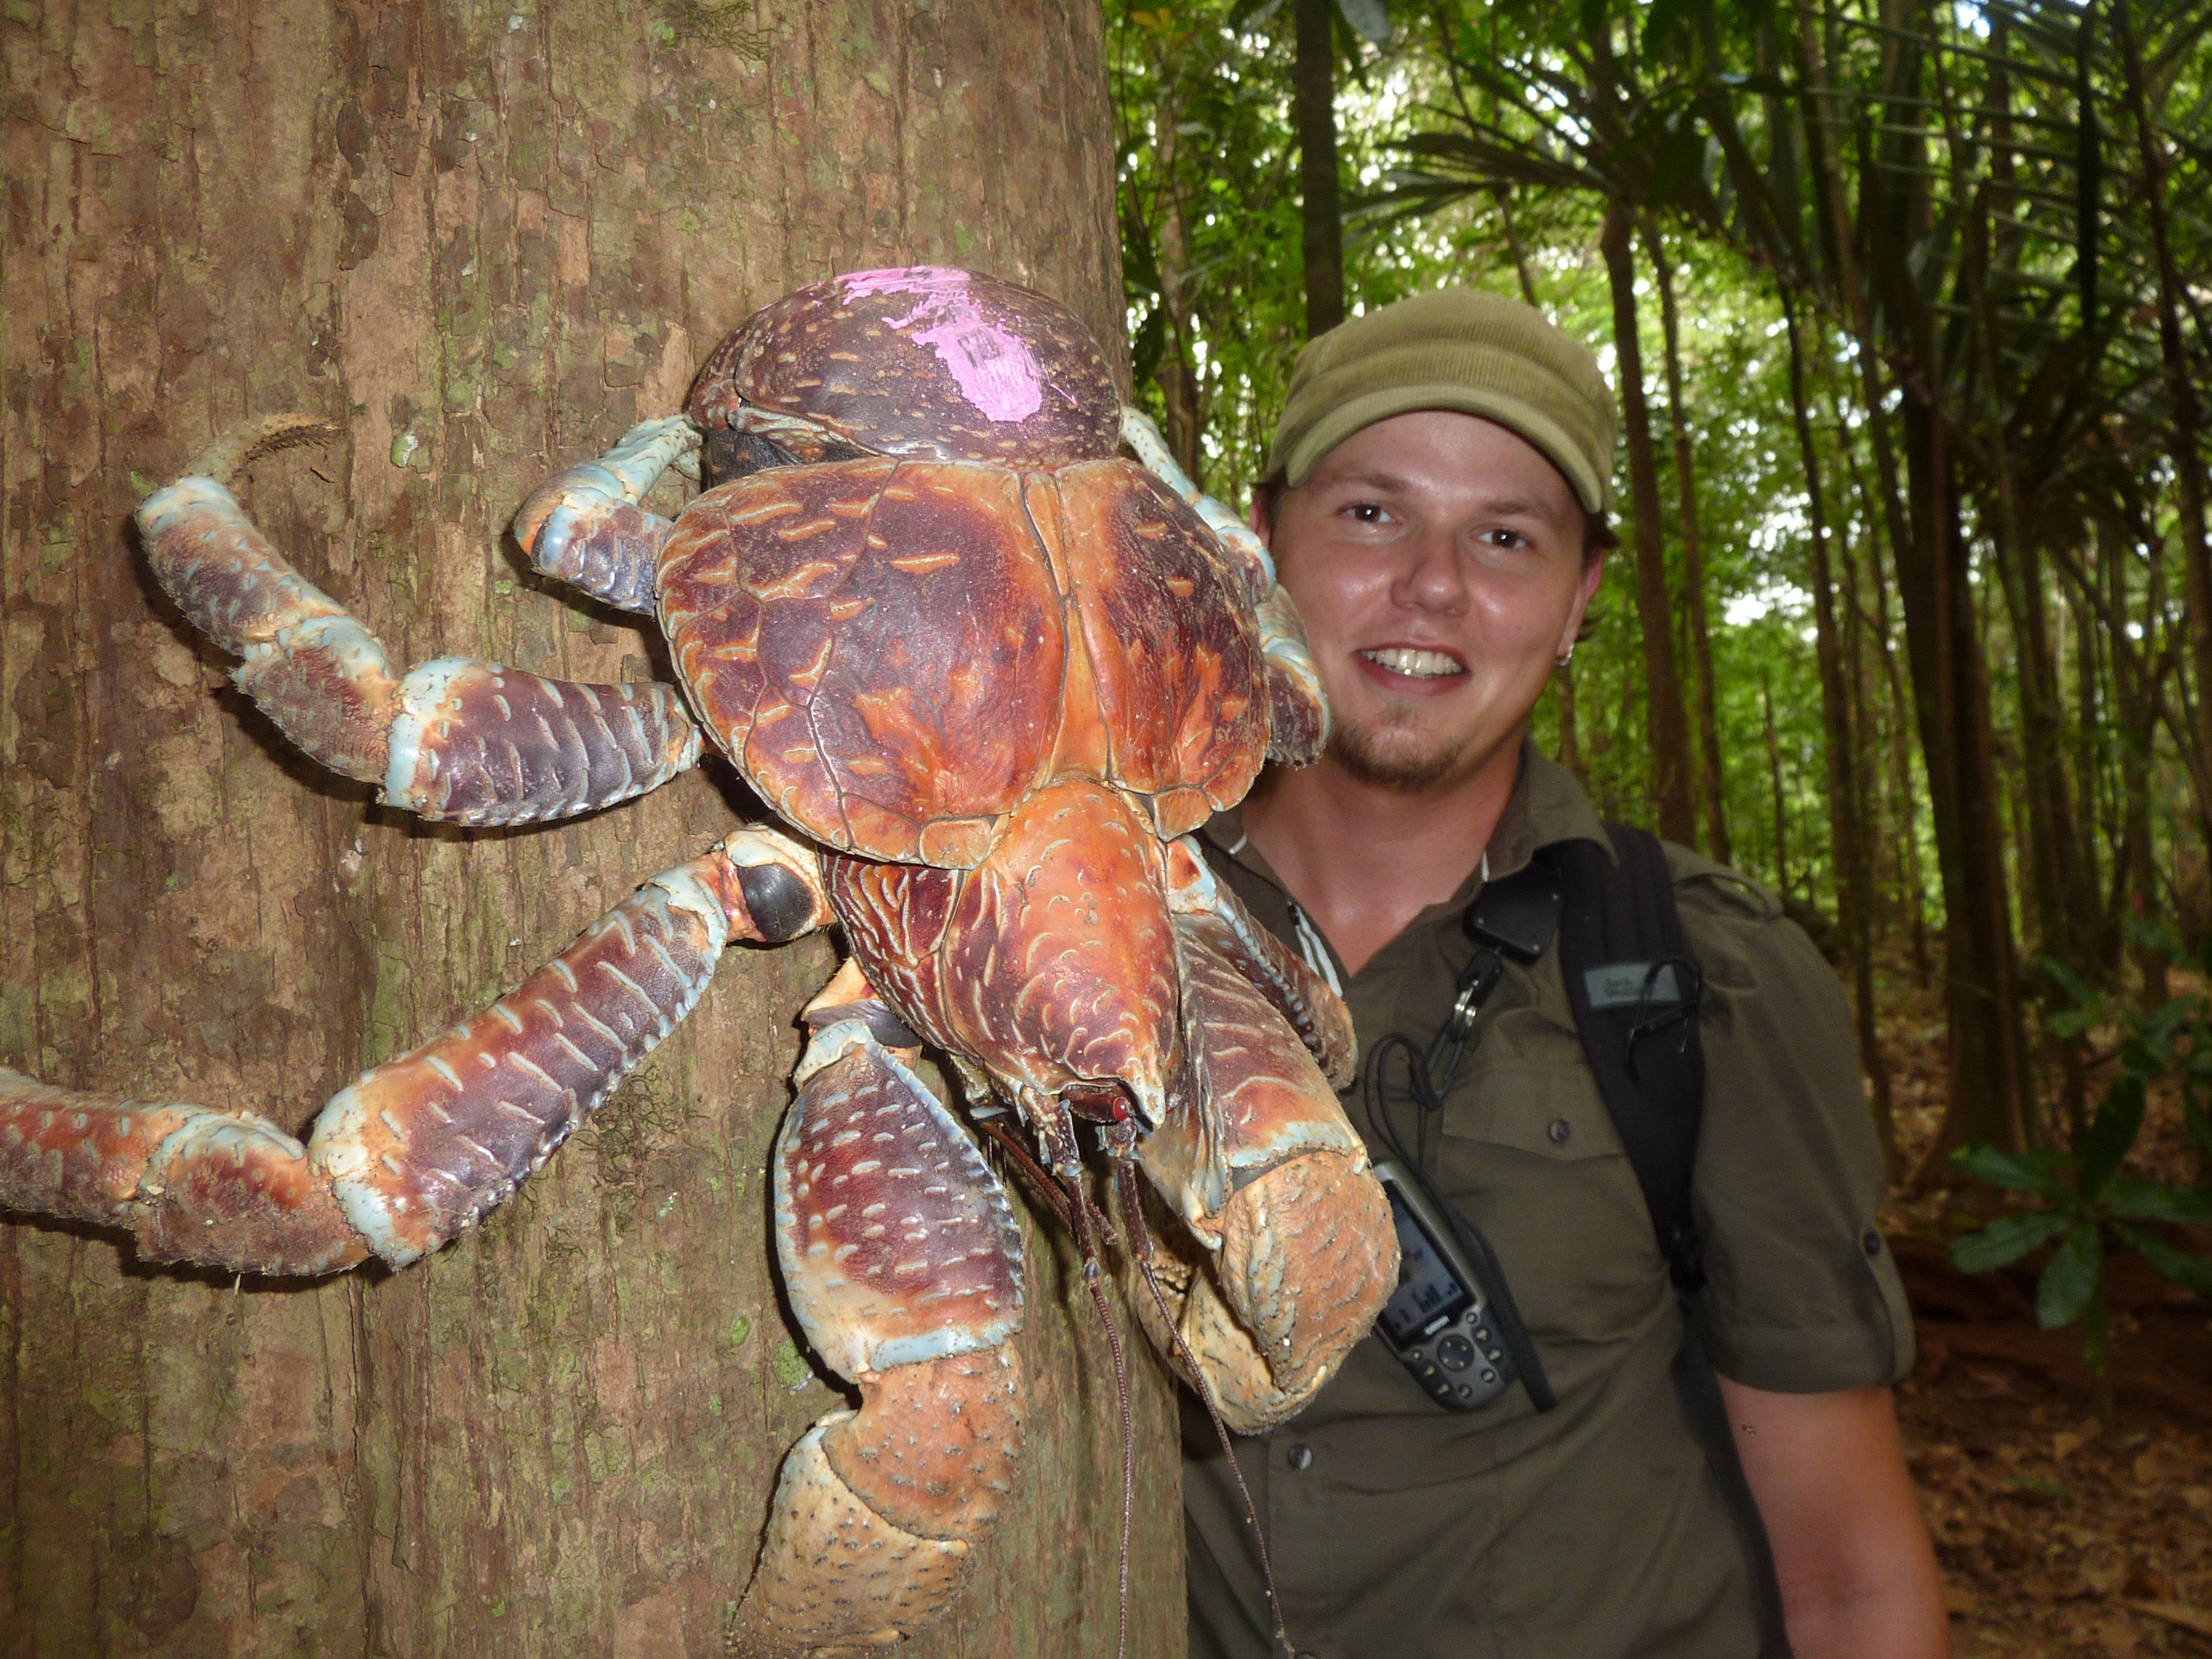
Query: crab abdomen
[(1051, 964)]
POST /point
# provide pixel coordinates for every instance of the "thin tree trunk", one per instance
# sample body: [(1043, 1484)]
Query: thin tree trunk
[(1570, 753), (1846, 837), (1177, 375), (1774, 774), (1987, 1096), (2133, 697), (486, 242), (1314, 73), (1665, 725), (1906, 798), (1711, 787), (2181, 394)]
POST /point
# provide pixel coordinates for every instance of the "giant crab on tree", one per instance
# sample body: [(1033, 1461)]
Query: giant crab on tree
[(992, 674)]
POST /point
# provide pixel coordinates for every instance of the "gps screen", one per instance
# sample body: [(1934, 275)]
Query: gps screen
[(1426, 1289)]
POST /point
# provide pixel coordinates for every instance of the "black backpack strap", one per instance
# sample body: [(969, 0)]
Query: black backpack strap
[(1635, 990)]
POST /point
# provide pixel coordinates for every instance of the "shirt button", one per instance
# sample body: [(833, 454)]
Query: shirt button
[(1301, 1458), (1870, 1242), (1561, 1131)]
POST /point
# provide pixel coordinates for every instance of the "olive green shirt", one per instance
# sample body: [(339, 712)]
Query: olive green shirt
[(1598, 1531)]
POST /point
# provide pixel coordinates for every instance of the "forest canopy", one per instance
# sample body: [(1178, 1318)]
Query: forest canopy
[(1912, 618)]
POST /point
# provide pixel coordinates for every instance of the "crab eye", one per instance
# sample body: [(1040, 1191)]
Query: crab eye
[(730, 453)]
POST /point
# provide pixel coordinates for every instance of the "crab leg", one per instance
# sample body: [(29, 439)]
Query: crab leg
[(475, 742), (423, 1146), (584, 524), (1206, 909), (1287, 1250), (1298, 717), (904, 1264), (1244, 546)]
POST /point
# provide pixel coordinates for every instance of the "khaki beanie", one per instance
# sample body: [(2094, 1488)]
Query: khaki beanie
[(1453, 349)]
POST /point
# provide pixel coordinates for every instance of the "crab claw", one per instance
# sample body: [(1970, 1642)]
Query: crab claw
[(903, 1263), (1287, 1251)]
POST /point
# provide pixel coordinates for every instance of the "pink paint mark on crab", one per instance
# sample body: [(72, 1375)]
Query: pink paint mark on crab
[(994, 368)]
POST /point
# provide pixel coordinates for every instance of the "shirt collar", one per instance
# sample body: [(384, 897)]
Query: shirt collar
[(1548, 806)]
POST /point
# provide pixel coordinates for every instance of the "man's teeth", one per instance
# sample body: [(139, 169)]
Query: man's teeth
[(1421, 665)]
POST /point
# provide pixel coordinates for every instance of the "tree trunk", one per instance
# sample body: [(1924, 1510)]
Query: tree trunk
[(485, 241), (1986, 1068), (1846, 835), (1665, 725), (1181, 389), (2181, 393), (1315, 75), (1571, 748), (1712, 790), (1774, 777)]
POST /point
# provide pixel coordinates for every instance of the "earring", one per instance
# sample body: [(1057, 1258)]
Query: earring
[(1567, 655)]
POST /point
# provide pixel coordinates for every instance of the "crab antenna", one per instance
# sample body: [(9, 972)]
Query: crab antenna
[(1140, 1250)]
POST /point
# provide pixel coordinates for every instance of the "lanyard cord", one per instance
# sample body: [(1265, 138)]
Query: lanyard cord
[(1429, 1079)]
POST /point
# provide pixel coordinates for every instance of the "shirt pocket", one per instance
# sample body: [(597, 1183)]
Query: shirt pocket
[(1530, 1153)]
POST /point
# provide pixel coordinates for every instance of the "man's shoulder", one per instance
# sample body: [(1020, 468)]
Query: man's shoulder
[(1733, 921), (1711, 888)]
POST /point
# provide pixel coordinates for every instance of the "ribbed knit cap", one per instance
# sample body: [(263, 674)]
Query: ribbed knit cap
[(1453, 349)]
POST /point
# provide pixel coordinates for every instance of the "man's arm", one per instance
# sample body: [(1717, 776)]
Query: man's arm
[(1858, 1575)]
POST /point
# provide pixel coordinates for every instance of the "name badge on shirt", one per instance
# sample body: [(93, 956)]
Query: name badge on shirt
[(1622, 985)]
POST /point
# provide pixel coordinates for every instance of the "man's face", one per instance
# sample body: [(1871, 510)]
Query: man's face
[(1437, 559)]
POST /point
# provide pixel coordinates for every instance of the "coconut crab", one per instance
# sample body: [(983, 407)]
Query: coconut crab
[(990, 674)]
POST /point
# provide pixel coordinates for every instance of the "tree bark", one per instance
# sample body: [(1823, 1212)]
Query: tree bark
[(485, 240), (1846, 834), (1774, 777), (1314, 72), (1180, 388), (1665, 723), (2181, 393), (1987, 1069), (1712, 791)]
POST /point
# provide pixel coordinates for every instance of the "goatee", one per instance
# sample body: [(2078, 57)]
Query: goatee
[(1384, 753)]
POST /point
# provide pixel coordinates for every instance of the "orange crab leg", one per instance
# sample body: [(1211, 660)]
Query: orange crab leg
[(584, 524), (1205, 908), (1297, 722), (423, 1146), (1295, 1252), (474, 742), (903, 1263)]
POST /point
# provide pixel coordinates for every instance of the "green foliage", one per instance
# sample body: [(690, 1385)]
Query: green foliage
[(2088, 1199), (1955, 201)]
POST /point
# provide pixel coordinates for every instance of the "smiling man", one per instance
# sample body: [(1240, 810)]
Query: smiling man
[(1436, 506)]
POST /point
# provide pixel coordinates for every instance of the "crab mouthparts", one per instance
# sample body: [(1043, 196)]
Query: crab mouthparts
[(1417, 664)]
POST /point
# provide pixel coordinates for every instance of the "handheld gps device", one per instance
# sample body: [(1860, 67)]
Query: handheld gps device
[(1439, 1321)]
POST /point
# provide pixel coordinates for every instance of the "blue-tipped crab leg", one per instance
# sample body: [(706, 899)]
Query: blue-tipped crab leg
[(422, 1147), (1286, 1251), (584, 524), (475, 742), (1244, 545), (903, 1263)]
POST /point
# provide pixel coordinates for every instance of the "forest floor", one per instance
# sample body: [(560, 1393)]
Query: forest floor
[(2056, 1536)]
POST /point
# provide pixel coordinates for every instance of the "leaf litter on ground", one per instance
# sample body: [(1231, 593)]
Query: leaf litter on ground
[(2054, 1537)]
